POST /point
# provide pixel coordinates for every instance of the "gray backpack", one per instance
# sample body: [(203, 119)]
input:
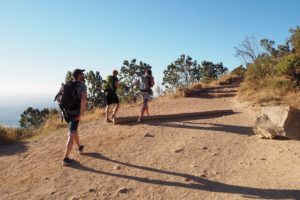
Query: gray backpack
[(145, 83)]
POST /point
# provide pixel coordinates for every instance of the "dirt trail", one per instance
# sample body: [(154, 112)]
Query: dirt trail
[(214, 157)]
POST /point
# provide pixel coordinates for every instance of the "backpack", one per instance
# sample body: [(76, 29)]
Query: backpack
[(70, 100), (146, 83), (108, 84)]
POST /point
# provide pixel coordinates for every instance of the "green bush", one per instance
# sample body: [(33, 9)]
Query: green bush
[(260, 69), (288, 64), (239, 71), (295, 39)]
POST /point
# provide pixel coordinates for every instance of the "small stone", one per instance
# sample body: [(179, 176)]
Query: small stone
[(46, 178), (52, 193), (123, 190), (178, 150), (148, 135), (187, 179), (117, 167), (74, 198), (92, 190), (204, 148), (263, 159), (203, 175), (214, 154)]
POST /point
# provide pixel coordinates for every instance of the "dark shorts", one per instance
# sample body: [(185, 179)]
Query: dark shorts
[(73, 124), (111, 98)]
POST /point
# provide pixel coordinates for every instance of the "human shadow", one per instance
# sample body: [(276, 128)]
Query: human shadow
[(185, 124), (241, 130), (13, 148), (179, 119), (196, 183)]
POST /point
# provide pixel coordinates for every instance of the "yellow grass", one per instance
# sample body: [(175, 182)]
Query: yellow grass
[(271, 90)]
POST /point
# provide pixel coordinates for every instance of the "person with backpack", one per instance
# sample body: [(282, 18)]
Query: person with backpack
[(111, 85), (73, 103), (146, 83)]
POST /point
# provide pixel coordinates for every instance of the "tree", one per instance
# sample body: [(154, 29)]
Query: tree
[(94, 86), (129, 75), (181, 73), (268, 46), (248, 50), (69, 76), (33, 117), (295, 40), (239, 71), (210, 71), (284, 49)]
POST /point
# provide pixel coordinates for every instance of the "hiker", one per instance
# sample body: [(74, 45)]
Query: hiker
[(146, 83), (73, 115), (58, 99), (110, 87)]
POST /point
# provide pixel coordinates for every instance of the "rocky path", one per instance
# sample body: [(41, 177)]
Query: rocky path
[(215, 157)]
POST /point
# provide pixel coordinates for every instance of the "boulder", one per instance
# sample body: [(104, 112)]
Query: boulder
[(278, 121)]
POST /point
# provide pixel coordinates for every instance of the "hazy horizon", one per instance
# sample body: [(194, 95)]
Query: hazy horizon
[(12, 107)]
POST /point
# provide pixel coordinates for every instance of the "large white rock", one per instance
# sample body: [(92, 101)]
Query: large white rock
[(283, 121)]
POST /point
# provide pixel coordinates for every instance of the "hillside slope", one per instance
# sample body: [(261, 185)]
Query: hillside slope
[(215, 157)]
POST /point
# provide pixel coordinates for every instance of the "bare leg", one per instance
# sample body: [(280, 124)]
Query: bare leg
[(115, 110), (144, 107), (147, 111), (107, 112), (69, 144), (76, 137)]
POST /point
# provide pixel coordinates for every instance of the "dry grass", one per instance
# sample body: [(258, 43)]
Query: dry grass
[(53, 123), (229, 79), (196, 86), (8, 135), (269, 91)]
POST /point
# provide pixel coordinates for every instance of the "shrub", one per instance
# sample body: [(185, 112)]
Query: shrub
[(239, 71), (288, 64), (8, 135), (260, 69)]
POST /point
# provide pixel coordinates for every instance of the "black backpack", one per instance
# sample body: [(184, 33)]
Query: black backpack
[(70, 100)]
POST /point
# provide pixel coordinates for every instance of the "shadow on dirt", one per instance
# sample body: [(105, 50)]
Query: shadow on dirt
[(195, 182)]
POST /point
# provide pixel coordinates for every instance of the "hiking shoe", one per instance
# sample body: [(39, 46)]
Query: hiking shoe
[(80, 149), (140, 121), (108, 120), (67, 161)]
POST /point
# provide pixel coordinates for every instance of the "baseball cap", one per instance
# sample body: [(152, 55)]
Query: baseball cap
[(77, 72)]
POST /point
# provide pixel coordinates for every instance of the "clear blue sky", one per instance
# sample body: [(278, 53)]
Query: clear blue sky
[(41, 40)]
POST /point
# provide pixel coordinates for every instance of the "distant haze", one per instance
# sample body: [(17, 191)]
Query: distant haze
[(12, 106)]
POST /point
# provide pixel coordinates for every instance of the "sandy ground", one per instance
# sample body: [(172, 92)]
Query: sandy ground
[(215, 157)]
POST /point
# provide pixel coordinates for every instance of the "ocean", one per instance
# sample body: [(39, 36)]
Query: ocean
[(10, 114)]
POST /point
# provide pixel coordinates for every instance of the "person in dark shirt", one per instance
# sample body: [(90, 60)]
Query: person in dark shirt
[(111, 96), (78, 76)]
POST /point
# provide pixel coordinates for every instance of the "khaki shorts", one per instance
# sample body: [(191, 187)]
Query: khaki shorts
[(145, 96)]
